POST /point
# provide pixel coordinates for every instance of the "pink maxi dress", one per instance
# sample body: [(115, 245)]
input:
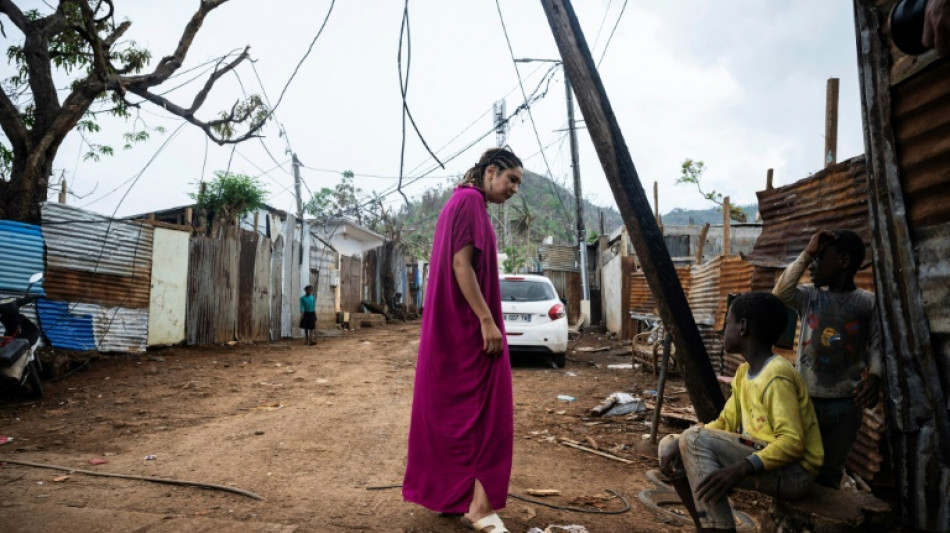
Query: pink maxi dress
[(462, 425)]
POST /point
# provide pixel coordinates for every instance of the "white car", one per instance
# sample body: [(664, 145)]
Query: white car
[(535, 318)]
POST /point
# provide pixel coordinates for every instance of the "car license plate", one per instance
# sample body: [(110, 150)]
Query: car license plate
[(517, 317)]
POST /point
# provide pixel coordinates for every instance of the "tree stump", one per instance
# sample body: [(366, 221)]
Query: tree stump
[(830, 511)]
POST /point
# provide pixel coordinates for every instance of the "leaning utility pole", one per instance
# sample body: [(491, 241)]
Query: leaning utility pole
[(579, 202), (632, 200)]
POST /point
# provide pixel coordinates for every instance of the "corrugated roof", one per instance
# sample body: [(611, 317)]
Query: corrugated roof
[(833, 198), (557, 257), (93, 259), (22, 256)]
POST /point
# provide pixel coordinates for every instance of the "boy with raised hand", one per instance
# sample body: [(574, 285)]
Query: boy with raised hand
[(840, 341), (766, 437)]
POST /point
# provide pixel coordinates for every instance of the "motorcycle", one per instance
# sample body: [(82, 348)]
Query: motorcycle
[(18, 361)]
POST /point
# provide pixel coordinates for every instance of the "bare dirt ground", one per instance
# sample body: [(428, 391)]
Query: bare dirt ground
[(312, 430)]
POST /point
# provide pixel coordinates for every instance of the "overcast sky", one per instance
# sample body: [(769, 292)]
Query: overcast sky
[(737, 84)]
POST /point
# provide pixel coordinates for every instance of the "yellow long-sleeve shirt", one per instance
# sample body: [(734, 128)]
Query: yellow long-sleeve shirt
[(774, 407)]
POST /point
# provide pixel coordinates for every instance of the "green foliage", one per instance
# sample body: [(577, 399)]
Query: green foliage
[(227, 197), (344, 200), (692, 172), (515, 260)]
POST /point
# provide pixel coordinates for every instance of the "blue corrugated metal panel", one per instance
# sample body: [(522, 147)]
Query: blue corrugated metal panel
[(65, 329), (21, 256)]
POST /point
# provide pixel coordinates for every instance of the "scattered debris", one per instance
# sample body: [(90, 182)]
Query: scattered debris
[(590, 349), (557, 528), (618, 403), (542, 493), (96, 461), (566, 398), (4, 439), (575, 445), (623, 366), (60, 479), (150, 457)]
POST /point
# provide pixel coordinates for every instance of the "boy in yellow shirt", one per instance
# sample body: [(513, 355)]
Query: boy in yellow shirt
[(766, 437)]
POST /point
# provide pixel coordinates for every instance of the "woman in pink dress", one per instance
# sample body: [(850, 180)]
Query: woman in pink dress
[(461, 433)]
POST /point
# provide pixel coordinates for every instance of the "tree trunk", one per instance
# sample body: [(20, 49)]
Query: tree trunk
[(20, 198)]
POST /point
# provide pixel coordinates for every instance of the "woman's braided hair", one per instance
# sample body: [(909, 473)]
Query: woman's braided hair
[(502, 158)]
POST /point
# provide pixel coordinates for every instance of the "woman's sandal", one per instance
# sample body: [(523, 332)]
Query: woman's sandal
[(492, 520)]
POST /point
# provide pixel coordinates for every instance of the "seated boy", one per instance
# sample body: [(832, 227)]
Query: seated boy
[(840, 339), (766, 437)]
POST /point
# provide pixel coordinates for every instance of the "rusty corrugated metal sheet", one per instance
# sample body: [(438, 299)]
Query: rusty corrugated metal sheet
[(641, 299), (920, 114), (212, 290), (92, 259), (709, 289), (833, 198), (559, 258)]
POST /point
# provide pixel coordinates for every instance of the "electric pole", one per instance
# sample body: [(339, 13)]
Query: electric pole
[(501, 138), (579, 201), (296, 163)]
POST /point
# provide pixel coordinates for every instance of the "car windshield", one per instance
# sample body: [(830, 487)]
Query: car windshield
[(526, 291)]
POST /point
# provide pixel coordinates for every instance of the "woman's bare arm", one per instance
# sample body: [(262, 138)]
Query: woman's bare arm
[(468, 283)]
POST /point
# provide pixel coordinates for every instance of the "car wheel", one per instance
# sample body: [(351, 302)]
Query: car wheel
[(560, 359)]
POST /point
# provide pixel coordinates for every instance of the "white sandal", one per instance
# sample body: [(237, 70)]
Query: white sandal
[(492, 520)]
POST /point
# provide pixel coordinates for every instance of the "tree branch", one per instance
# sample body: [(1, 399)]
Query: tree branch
[(169, 64), (12, 123), (189, 115), (8, 8), (203, 93)]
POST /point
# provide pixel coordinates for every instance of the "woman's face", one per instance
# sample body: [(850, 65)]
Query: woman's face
[(500, 185)]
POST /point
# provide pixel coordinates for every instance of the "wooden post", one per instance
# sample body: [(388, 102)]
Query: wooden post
[(656, 202), (831, 122), (62, 191), (768, 180), (256, 218), (726, 229), (632, 201), (702, 243), (189, 220)]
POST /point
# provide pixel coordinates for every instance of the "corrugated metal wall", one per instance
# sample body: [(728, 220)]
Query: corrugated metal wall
[(98, 280), (92, 259), (557, 257), (22, 256), (253, 313), (568, 286), (212, 290)]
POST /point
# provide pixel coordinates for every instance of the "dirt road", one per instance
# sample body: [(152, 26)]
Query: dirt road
[(311, 429)]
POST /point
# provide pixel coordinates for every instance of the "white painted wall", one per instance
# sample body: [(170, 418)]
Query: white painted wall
[(613, 292), (169, 291)]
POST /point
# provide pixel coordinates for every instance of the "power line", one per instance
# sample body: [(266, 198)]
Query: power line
[(304, 58), (602, 21), (534, 126), (404, 88), (610, 38)]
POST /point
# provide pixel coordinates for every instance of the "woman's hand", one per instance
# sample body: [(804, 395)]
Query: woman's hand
[(491, 337)]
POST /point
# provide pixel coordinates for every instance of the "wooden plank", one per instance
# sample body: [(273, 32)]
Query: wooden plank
[(634, 207)]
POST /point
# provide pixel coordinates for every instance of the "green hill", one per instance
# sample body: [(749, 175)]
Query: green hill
[(541, 209)]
